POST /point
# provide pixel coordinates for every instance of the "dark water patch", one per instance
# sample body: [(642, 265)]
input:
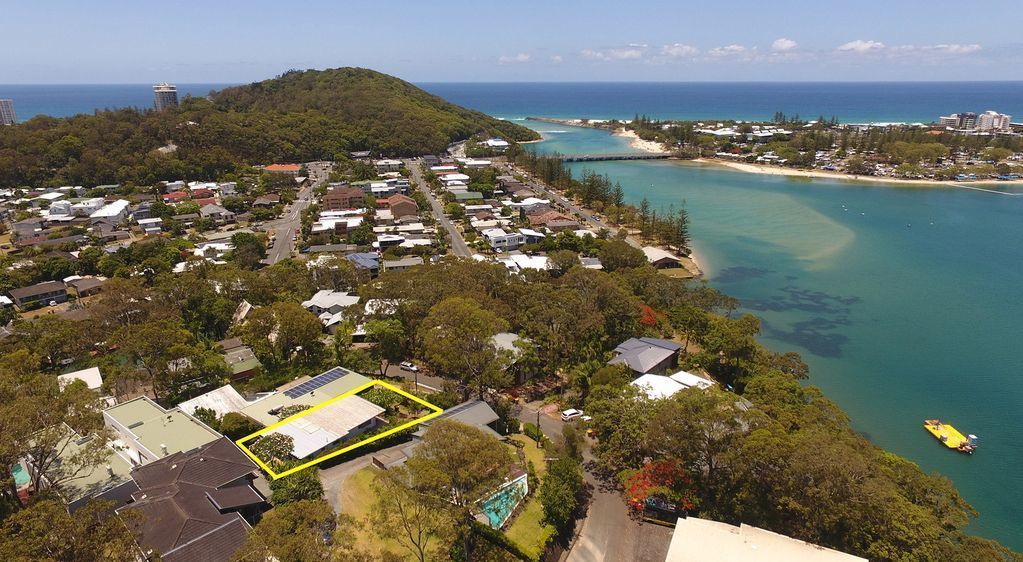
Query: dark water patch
[(806, 300), (817, 335), (740, 273)]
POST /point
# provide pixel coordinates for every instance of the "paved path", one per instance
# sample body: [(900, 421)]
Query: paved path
[(458, 245)]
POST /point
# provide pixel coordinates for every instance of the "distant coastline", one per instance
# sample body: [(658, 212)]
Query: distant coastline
[(768, 169)]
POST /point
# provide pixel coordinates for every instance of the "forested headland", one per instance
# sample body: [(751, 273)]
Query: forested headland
[(299, 116)]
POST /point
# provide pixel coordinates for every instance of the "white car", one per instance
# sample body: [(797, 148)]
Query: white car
[(409, 366), (571, 414)]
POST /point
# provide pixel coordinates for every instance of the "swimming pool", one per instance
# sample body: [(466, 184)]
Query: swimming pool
[(499, 506), (21, 476)]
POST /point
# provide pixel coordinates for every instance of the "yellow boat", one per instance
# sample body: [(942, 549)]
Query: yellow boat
[(950, 436)]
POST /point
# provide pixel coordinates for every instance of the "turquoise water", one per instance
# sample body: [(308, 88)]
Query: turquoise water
[(21, 476), (905, 301), (500, 506)]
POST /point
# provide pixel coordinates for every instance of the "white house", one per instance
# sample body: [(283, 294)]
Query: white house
[(387, 165), (330, 301), (114, 213), (91, 377), (502, 241), (87, 207), (500, 145)]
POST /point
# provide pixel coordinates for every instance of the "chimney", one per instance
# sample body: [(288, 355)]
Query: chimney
[(163, 449), (110, 471)]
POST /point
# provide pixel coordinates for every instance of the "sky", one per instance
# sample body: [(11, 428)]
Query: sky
[(230, 41)]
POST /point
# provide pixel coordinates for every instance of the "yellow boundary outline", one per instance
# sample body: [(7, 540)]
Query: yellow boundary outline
[(436, 411)]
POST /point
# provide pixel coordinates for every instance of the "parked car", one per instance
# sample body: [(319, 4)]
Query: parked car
[(409, 366), (571, 414)]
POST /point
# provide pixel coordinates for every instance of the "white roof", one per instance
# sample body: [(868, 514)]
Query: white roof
[(111, 210), (325, 426), (443, 168), (690, 380), (387, 162), (91, 377), (51, 196), (655, 254), (454, 177), (657, 387), (5, 300), (222, 400), (328, 299), (531, 232), (701, 540)]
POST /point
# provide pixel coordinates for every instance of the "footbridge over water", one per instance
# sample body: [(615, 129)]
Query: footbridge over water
[(608, 157)]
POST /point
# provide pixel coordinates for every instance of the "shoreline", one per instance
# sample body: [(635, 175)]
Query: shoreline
[(652, 147), (768, 169)]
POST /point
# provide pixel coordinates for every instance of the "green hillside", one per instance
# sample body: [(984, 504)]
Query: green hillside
[(296, 117)]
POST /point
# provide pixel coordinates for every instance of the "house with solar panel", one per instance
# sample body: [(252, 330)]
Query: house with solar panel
[(327, 426)]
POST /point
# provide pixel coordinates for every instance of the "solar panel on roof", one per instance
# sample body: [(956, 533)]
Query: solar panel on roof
[(315, 382)]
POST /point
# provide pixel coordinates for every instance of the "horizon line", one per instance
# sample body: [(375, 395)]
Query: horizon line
[(232, 83)]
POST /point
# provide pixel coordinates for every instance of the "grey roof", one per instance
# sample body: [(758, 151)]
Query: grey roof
[(320, 248), (403, 262), (365, 260), (476, 413), (37, 289), (643, 354)]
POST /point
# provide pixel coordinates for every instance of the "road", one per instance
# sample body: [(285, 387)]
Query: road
[(458, 245), (608, 533), (290, 224)]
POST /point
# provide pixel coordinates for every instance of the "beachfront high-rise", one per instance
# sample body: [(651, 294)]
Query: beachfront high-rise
[(993, 121), (165, 95), (7, 112)]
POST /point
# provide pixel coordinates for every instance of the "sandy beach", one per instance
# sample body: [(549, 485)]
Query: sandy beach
[(640, 144), (823, 174)]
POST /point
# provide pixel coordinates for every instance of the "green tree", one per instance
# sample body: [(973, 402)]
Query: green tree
[(299, 486), (560, 491), (277, 332), (46, 531), (388, 338), (619, 254), (208, 417), (302, 531), (457, 339), (457, 464), (406, 513), (274, 447), (249, 250), (153, 347), (235, 425)]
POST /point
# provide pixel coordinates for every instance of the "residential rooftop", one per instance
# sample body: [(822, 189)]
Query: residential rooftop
[(155, 428)]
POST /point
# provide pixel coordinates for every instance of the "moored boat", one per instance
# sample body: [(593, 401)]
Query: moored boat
[(951, 437)]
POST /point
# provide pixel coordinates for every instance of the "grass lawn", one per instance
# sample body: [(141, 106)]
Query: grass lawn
[(532, 452), (357, 499), (528, 530)]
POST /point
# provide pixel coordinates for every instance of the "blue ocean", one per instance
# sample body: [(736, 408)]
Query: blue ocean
[(904, 301)]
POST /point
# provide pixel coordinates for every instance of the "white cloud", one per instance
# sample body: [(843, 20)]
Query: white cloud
[(727, 51), (783, 44), (627, 53), (679, 50), (955, 48), (639, 45), (861, 46), (512, 59), (557, 59)]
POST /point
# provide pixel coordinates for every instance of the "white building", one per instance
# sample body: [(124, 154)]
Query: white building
[(993, 121), (702, 540), (502, 241), (115, 213), (500, 145), (387, 165), (330, 301), (87, 207)]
